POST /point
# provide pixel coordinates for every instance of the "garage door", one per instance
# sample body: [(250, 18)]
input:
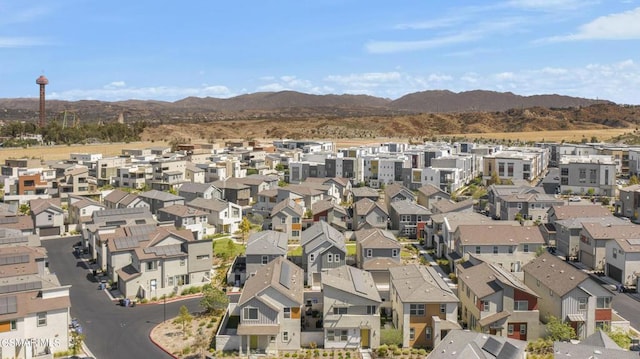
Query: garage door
[(52, 231), (614, 272), (586, 258)]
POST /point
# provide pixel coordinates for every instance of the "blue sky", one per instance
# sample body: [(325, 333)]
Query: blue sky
[(116, 50)]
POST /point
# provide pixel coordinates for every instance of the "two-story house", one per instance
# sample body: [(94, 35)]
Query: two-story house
[(234, 191), (160, 199), (186, 217), (397, 192), (190, 191), (269, 309), (331, 213), (351, 309), (120, 199), (80, 210), (323, 248), (377, 250), (286, 217), (224, 216), (623, 260), (509, 247), (369, 214), (423, 306), (359, 193), (409, 218), (568, 294), (593, 242), (493, 301), (47, 216), (262, 248), (429, 194)]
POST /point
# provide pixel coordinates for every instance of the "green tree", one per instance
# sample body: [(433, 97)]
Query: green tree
[(213, 299), (245, 228), (282, 183), (280, 167), (75, 343), (621, 338), (633, 180), (25, 209), (495, 179), (308, 213), (558, 330), (184, 318)]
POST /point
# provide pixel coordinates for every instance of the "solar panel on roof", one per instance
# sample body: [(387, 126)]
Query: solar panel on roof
[(358, 280), (14, 259), (285, 275), (509, 351), (20, 287), (634, 241), (8, 305), (492, 346), (12, 240), (7, 220)]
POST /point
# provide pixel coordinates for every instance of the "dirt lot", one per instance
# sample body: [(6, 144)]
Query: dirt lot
[(170, 336)]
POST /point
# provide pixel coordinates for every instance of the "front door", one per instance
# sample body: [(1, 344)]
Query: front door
[(364, 338), (253, 342)]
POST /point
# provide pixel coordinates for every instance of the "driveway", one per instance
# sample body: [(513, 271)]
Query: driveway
[(111, 331)]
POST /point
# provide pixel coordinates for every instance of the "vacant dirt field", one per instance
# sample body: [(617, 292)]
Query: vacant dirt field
[(111, 149)]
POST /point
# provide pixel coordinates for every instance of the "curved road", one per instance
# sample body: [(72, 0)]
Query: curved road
[(111, 331)]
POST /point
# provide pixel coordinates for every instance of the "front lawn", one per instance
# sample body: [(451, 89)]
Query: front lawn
[(226, 248)]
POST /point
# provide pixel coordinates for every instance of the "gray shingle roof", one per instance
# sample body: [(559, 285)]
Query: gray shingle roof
[(270, 276), (352, 280), (319, 233), (418, 284), (554, 273), (160, 195), (267, 242)]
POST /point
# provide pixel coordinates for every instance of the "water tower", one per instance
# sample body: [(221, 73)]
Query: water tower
[(42, 81)]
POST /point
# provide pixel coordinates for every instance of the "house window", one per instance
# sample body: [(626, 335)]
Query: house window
[(250, 313), (412, 334), (331, 336), (394, 253), (295, 220), (285, 336), (582, 303), (510, 249), (371, 309), (330, 258), (521, 305), (615, 253), (49, 217), (182, 262), (272, 339), (336, 258), (468, 294), (523, 329), (428, 333), (485, 305), (42, 319), (603, 302), (295, 233), (344, 336), (312, 257), (510, 329), (337, 335), (416, 309), (202, 257), (283, 220), (443, 308), (369, 253), (495, 249), (525, 248), (265, 259), (339, 310), (152, 265), (287, 312), (550, 293), (477, 249)]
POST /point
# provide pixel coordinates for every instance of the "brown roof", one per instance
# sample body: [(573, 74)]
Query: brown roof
[(430, 190), (127, 273), (554, 273), (493, 318), (576, 211), (18, 222), (30, 302), (419, 284), (451, 206), (287, 203), (115, 196), (629, 244), (473, 234), (599, 231), (20, 260), (380, 263), (485, 279), (377, 238), (270, 277), (180, 210), (40, 205), (366, 205)]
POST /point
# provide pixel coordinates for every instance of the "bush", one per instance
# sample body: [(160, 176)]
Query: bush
[(383, 350), (286, 355), (422, 352), (143, 300), (391, 337), (324, 354), (153, 299), (210, 325), (186, 350)]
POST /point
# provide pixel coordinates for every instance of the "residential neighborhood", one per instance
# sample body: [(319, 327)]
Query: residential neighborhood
[(452, 248)]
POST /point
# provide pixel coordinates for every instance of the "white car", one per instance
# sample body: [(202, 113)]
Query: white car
[(575, 199)]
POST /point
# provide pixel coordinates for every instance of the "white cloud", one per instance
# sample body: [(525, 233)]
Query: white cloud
[(120, 91), (6, 42), (620, 26), (431, 24), (364, 80), (548, 4), (272, 87)]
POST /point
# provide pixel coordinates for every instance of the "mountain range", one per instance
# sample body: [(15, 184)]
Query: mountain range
[(287, 104)]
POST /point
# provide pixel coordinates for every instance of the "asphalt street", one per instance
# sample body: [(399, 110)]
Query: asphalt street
[(111, 331), (627, 307)]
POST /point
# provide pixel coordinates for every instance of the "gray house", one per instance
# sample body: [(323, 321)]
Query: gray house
[(263, 247), (190, 191), (323, 247), (369, 214), (397, 192), (160, 199), (408, 218), (377, 249)]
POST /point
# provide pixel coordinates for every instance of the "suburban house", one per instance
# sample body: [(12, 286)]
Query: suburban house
[(24, 224), (160, 199), (151, 261), (509, 247), (397, 192), (452, 206), (359, 193), (323, 248), (423, 306), (429, 194), (369, 214), (267, 199), (269, 310), (623, 260), (629, 204), (334, 214), (186, 217), (47, 216), (463, 344), (527, 206), (258, 183), (234, 191), (493, 301), (286, 217), (76, 181), (594, 238), (80, 210), (568, 294), (496, 194), (190, 191), (224, 216), (262, 248), (377, 250), (351, 309), (121, 199), (597, 345), (34, 305), (408, 218), (592, 174)]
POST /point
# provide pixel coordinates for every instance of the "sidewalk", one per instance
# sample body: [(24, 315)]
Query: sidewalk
[(435, 266)]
